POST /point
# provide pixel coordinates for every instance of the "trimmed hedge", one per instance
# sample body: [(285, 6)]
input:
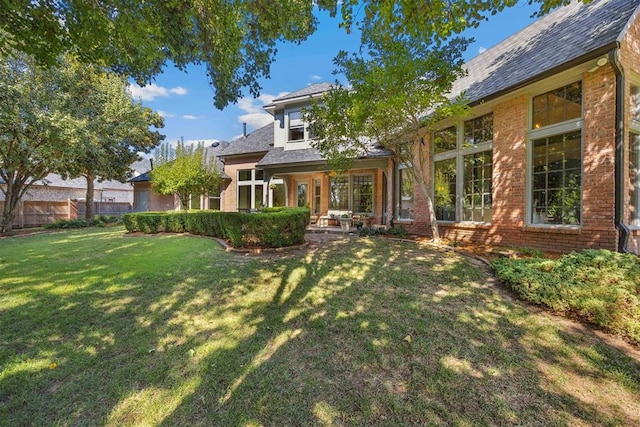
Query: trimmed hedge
[(273, 229)]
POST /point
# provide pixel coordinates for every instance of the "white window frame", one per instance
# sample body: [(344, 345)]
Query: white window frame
[(567, 126), (400, 168), (634, 129), (252, 183), (459, 153), (350, 188)]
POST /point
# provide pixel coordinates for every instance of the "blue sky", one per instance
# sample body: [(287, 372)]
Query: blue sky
[(186, 100)]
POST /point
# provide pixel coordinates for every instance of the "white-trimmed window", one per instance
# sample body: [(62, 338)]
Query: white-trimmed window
[(351, 193), (296, 126), (462, 171), (316, 196), (215, 199), (251, 189), (556, 157), (634, 156), (405, 193)]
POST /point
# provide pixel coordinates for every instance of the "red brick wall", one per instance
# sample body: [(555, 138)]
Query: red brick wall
[(630, 58), (510, 179), (229, 196)]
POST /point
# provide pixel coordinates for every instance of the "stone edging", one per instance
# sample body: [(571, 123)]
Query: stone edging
[(258, 251)]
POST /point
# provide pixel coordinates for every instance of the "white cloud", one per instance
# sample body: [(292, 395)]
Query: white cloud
[(255, 116), (316, 77), (189, 117), (165, 113), (151, 91), (482, 49)]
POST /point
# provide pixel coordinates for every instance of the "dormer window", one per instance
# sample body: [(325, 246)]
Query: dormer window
[(296, 126)]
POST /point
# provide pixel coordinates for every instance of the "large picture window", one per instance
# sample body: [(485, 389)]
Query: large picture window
[(634, 172), (557, 179), (351, 193), (462, 171), (478, 169), (339, 193)]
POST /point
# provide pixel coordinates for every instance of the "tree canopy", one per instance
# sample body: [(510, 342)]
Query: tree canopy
[(33, 129), (109, 128), (187, 172), (236, 39), (399, 88)]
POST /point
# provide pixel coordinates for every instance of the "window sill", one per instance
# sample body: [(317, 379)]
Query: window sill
[(403, 221), (557, 229)]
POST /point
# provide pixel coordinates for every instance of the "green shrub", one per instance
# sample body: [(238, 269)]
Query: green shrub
[(598, 286), (273, 229), (399, 232)]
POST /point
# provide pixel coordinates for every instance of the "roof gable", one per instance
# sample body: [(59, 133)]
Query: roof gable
[(574, 32), (310, 90)]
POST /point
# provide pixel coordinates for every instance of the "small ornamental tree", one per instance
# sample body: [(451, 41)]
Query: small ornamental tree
[(399, 89), (190, 173)]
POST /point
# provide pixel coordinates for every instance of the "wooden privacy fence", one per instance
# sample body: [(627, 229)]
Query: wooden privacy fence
[(36, 213)]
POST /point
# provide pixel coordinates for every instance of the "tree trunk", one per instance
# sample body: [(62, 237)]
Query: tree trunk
[(11, 199), (88, 214)]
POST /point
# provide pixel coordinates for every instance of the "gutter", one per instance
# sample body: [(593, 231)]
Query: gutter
[(623, 229)]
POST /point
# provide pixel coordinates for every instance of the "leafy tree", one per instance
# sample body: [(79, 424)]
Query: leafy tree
[(189, 174), (33, 129), (235, 39), (110, 128), (399, 90)]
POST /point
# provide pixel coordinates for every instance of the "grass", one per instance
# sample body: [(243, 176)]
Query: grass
[(101, 329)]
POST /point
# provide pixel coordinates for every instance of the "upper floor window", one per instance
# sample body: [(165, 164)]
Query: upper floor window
[(478, 130), (557, 106), (444, 140), (296, 126)]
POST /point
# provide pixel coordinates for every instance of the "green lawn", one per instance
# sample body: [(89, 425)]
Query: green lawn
[(99, 328)]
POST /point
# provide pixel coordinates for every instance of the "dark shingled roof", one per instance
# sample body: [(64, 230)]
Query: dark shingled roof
[(307, 91), (258, 141), (571, 32)]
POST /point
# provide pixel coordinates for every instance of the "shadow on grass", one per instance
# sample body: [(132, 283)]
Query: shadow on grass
[(171, 330)]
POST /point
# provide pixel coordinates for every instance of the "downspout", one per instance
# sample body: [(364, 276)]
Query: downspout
[(623, 229)]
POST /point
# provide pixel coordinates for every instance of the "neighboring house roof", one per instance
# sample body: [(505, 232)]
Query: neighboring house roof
[(310, 90), (570, 35), (55, 180), (258, 141), (143, 177)]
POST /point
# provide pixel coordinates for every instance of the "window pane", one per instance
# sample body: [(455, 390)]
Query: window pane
[(244, 175), (339, 193), (259, 174), (445, 189), (635, 103), (316, 195), (478, 169), (557, 180), (634, 175), (244, 197), (558, 105), (259, 200), (363, 194), (478, 130), (194, 201), (214, 203), (296, 133), (302, 194), (444, 140), (405, 179)]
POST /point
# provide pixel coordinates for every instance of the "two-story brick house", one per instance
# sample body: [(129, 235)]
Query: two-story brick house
[(549, 156)]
